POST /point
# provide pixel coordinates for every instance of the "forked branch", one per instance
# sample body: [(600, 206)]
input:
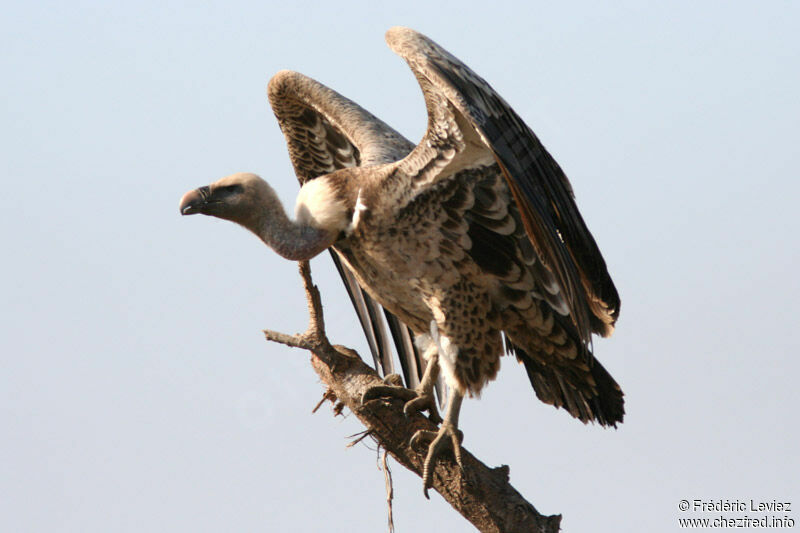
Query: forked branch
[(481, 494)]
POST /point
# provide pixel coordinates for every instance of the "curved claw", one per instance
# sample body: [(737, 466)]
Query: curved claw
[(393, 379), (423, 402), (416, 400), (438, 444), (387, 391)]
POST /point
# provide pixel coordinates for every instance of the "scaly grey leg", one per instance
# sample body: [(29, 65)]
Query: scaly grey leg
[(448, 437)]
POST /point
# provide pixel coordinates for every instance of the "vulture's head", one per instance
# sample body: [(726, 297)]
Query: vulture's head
[(239, 198), (249, 201)]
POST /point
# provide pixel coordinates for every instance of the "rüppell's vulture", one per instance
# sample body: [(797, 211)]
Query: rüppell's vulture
[(471, 240)]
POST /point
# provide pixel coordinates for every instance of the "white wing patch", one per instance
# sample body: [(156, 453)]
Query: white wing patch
[(318, 206), (360, 208)]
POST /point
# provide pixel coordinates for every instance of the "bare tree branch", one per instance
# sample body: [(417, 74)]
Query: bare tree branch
[(481, 494)]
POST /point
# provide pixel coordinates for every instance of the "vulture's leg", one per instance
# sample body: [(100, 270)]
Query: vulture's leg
[(425, 399), (417, 400), (448, 437)]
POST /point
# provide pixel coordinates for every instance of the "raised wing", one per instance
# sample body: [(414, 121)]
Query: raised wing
[(470, 125), (325, 132)]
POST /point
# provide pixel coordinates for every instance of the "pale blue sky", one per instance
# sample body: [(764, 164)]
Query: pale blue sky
[(136, 390)]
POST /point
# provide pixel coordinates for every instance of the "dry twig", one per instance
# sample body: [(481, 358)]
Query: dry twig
[(387, 474)]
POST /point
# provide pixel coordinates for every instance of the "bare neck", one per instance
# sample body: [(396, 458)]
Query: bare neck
[(290, 239)]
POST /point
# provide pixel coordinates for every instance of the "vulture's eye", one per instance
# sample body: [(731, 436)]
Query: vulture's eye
[(231, 189)]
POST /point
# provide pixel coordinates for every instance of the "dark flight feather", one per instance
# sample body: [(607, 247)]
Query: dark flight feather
[(541, 190)]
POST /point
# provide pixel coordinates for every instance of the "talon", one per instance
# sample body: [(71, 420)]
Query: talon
[(438, 444), (448, 437), (422, 437), (387, 391), (416, 400), (423, 402), (395, 380)]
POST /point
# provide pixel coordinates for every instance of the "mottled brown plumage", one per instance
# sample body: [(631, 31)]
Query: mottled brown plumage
[(471, 239)]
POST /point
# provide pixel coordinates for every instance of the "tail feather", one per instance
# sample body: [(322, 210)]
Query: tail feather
[(588, 393)]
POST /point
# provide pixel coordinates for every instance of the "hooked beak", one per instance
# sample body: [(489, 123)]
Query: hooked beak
[(194, 201)]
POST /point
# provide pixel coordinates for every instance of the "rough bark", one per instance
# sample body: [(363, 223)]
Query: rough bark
[(481, 494)]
